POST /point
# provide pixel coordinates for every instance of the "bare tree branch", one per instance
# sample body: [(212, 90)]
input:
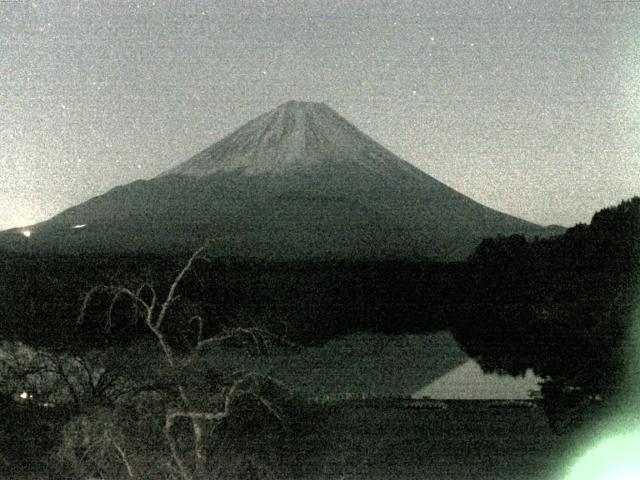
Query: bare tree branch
[(122, 454), (198, 318), (242, 385), (171, 296)]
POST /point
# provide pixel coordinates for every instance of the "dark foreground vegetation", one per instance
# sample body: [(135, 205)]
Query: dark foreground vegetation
[(112, 366), (467, 440)]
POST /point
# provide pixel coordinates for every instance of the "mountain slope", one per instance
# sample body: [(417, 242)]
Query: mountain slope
[(297, 182), (293, 137)]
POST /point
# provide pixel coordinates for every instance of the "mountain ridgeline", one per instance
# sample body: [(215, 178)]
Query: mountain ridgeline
[(298, 182)]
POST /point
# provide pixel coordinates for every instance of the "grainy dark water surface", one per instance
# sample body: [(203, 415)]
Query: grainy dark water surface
[(468, 440)]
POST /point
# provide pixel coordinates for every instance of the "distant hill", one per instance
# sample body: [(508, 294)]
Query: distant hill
[(297, 182)]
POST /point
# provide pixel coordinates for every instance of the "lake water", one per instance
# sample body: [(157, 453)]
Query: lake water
[(467, 440)]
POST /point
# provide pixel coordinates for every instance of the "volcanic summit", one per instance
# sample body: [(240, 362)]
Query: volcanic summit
[(297, 182), (293, 137)]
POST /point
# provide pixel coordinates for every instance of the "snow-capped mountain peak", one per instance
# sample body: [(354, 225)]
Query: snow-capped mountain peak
[(293, 136)]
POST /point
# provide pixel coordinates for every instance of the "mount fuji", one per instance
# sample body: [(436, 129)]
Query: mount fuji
[(297, 182)]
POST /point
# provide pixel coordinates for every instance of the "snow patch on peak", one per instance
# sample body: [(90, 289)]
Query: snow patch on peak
[(293, 106), (300, 105), (293, 136)]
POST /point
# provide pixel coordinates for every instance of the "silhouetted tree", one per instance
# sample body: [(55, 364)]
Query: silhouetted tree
[(561, 306)]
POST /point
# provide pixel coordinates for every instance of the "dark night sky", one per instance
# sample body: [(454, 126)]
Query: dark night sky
[(530, 107)]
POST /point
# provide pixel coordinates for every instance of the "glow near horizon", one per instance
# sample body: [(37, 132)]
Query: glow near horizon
[(23, 215)]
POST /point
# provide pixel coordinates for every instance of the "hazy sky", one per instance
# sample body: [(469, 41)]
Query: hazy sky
[(530, 107)]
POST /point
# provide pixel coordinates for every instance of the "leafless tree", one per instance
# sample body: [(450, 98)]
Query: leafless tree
[(154, 313)]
